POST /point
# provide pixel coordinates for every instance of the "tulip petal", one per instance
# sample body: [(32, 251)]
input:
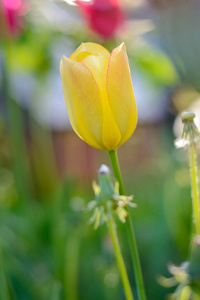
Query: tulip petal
[(98, 65), (111, 135), (120, 93), (91, 48), (83, 101), (82, 55)]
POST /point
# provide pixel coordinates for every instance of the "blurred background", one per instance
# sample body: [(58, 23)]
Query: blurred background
[(47, 249)]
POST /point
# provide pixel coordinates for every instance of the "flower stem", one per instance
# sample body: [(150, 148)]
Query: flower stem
[(131, 235), (119, 258), (4, 291), (194, 187)]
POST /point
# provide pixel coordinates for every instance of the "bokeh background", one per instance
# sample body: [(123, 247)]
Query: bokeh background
[(47, 249)]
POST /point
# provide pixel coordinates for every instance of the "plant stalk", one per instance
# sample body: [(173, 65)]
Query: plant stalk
[(131, 234), (119, 258), (194, 188)]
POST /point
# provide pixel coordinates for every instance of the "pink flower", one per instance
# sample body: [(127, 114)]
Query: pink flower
[(102, 16), (14, 10)]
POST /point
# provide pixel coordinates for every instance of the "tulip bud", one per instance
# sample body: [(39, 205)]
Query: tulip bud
[(12, 11), (99, 95), (103, 16)]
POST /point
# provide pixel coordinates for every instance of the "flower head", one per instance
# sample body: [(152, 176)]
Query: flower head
[(190, 131), (186, 276), (107, 199), (14, 11), (103, 16), (99, 95)]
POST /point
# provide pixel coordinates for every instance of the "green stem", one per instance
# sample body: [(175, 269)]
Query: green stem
[(4, 292), (194, 187), (131, 235), (72, 265), (119, 258)]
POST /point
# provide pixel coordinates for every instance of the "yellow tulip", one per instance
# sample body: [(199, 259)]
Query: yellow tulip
[(99, 95)]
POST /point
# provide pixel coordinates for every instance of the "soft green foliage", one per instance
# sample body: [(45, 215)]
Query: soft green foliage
[(49, 250)]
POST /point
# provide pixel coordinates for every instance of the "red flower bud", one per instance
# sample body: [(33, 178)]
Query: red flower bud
[(14, 10), (102, 16)]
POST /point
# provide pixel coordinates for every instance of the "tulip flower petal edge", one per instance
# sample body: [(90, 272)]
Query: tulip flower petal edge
[(120, 93), (82, 101), (99, 96)]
